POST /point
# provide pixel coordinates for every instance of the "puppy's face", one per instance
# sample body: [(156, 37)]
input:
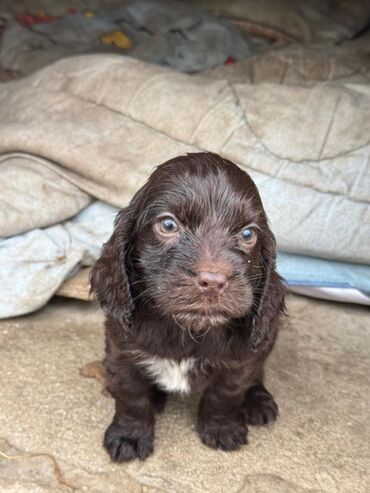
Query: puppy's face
[(196, 252)]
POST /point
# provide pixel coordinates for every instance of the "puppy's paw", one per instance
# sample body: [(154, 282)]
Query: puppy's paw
[(225, 436), (122, 448), (259, 406)]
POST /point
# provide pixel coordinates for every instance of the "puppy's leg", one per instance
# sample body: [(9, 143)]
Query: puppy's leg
[(159, 398), (131, 433), (221, 422), (259, 406)]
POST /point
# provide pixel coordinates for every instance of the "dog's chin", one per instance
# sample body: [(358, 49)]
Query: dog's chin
[(200, 321)]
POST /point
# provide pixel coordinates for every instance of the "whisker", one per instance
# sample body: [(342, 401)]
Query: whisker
[(185, 329), (146, 291)]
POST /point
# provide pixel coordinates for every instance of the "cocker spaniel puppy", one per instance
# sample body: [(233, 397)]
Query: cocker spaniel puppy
[(192, 302)]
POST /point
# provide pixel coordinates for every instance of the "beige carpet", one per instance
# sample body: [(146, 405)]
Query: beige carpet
[(319, 374)]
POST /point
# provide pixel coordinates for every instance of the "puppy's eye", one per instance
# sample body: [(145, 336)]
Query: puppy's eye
[(167, 225), (248, 235)]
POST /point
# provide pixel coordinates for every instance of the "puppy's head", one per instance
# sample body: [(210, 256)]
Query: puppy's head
[(194, 245)]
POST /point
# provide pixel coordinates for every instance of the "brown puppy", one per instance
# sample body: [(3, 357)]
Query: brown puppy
[(192, 298)]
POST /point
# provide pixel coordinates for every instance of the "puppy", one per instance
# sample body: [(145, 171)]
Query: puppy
[(192, 302)]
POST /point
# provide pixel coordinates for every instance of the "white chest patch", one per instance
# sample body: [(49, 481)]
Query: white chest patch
[(168, 374)]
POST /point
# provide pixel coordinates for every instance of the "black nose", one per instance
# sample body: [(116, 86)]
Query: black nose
[(211, 282)]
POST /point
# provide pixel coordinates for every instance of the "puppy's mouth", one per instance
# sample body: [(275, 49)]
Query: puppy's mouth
[(200, 320), (190, 310)]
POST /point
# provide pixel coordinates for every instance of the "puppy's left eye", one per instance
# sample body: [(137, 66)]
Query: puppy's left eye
[(167, 225), (248, 235)]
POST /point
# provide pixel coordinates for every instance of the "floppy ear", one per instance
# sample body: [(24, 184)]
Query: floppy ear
[(109, 278), (269, 302)]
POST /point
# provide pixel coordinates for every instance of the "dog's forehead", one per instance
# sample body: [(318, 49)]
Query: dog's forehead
[(222, 195), (205, 174)]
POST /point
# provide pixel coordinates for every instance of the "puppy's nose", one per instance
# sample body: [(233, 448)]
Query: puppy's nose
[(211, 282)]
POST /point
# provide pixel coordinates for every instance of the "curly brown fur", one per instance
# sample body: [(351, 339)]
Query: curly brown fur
[(193, 300)]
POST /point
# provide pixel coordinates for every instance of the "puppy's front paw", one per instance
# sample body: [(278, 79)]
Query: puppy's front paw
[(122, 447), (259, 406), (230, 435)]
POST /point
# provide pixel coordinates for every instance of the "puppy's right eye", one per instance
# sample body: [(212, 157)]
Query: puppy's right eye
[(168, 226)]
